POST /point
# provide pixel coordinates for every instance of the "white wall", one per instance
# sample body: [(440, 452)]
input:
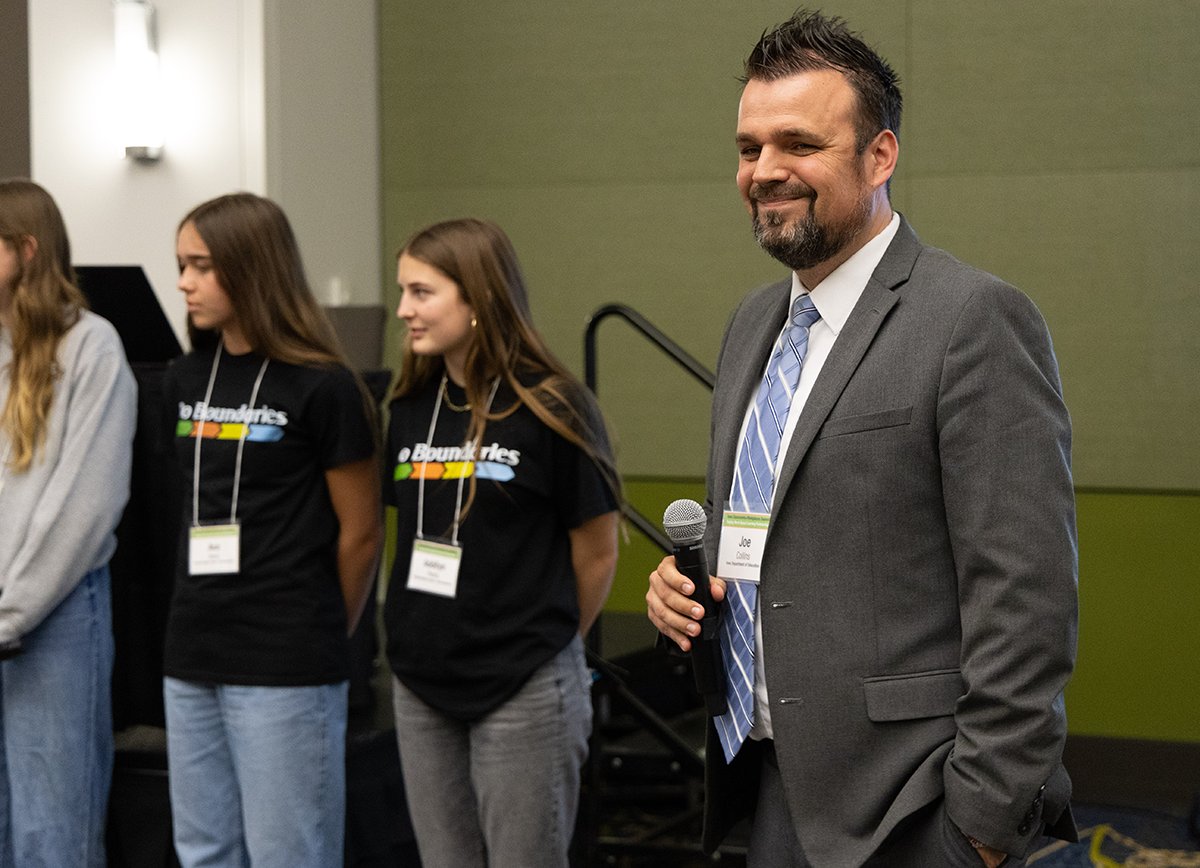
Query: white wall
[(217, 57)]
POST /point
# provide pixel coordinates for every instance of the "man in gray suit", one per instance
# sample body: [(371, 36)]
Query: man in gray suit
[(909, 611)]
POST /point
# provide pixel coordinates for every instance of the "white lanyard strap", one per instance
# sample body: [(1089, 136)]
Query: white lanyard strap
[(237, 469), (468, 446)]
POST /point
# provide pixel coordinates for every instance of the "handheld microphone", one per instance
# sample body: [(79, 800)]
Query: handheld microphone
[(684, 521)]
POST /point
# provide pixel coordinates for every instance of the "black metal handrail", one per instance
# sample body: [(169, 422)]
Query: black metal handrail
[(677, 354), (610, 678), (681, 356)]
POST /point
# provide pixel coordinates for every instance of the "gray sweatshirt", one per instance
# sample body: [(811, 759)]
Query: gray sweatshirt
[(57, 519)]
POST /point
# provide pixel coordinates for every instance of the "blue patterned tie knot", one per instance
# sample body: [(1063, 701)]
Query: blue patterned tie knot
[(753, 488), (804, 313)]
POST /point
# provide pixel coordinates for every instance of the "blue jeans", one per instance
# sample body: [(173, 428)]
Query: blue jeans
[(257, 774), (501, 792), (56, 722)]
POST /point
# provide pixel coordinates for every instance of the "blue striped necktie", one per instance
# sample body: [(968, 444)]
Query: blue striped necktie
[(753, 487)]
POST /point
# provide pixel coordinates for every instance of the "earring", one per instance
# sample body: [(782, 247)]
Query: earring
[(473, 323)]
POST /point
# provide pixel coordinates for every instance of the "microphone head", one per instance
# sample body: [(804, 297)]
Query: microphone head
[(684, 521)]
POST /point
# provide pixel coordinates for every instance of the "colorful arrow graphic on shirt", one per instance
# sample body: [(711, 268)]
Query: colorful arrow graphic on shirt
[(453, 470), (228, 431)]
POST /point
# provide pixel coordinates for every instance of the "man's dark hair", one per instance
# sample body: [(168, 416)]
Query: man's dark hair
[(809, 41)]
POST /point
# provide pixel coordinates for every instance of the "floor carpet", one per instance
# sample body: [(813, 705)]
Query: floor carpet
[(1126, 837), (1110, 837)]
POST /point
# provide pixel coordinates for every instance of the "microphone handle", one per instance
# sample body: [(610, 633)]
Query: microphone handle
[(708, 667)]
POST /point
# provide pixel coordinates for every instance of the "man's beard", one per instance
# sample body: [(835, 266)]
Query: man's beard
[(807, 242)]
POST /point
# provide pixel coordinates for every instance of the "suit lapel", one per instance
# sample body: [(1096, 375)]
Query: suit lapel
[(757, 342), (856, 336)]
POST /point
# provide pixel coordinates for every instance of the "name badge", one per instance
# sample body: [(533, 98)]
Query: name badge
[(434, 568), (743, 537), (214, 548)]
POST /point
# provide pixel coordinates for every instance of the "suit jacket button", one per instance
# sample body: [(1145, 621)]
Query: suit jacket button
[(1023, 828)]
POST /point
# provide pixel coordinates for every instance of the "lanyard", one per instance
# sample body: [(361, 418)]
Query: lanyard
[(461, 477), (237, 470)]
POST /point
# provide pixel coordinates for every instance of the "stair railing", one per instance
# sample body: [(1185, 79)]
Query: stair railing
[(672, 350)]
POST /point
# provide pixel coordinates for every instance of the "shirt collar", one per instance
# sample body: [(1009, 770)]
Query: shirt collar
[(836, 295)]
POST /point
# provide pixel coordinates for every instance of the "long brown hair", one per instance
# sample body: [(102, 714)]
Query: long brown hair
[(257, 262), (479, 257), (45, 304)]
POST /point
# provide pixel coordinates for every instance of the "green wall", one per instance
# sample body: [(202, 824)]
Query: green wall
[(1053, 144), (1138, 672)]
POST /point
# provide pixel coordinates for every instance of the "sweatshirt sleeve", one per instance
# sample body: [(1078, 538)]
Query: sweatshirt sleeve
[(74, 514)]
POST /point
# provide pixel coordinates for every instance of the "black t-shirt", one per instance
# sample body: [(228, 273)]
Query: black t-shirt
[(281, 620), (516, 604)]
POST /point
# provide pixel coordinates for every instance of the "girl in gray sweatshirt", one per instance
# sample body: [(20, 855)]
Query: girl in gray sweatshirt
[(67, 417)]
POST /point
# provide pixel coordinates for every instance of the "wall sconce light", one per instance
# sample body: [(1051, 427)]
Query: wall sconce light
[(139, 84)]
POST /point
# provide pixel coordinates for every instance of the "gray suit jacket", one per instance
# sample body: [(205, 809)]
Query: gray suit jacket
[(918, 591)]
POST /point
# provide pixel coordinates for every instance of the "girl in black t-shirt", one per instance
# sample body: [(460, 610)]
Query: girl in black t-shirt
[(276, 446), (506, 546)]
